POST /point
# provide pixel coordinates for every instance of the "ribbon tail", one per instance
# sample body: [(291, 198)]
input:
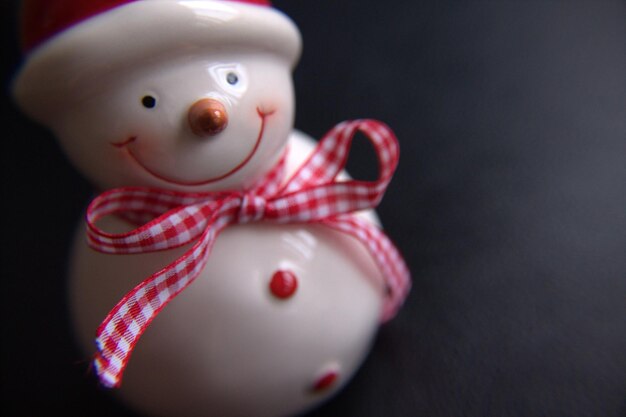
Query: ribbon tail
[(121, 329), (396, 275)]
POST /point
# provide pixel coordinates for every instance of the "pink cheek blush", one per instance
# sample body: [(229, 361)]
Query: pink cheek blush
[(283, 284)]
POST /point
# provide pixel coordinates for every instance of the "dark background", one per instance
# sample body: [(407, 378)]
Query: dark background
[(509, 204)]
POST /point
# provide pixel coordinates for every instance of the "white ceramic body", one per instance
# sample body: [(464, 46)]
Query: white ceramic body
[(226, 346)]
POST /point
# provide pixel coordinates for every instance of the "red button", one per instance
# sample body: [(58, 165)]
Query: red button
[(283, 284), (325, 381)]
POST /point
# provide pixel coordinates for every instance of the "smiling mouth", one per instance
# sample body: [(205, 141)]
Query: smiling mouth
[(125, 145)]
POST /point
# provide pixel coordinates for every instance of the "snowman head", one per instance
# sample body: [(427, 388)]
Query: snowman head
[(186, 95)]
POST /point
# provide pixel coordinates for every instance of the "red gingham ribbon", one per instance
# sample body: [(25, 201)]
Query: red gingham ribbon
[(311, 195)]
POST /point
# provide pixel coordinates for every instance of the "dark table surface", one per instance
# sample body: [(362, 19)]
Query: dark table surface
[(509, 204)]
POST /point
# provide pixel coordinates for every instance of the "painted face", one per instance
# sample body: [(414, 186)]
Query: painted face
[(191, 124)]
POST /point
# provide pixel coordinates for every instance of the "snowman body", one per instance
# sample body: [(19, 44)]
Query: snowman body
[(228, 346), (207, 106)]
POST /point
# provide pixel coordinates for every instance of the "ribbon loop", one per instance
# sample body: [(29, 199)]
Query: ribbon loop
[(331, 155), (312, 194), (172, 229)]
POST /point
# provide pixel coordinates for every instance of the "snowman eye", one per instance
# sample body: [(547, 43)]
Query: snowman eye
[(232, 78), (149, 102)]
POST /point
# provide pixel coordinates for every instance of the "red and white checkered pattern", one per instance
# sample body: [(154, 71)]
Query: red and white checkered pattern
[(311, 195)]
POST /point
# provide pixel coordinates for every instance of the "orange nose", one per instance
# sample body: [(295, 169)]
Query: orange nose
[(207, 117)]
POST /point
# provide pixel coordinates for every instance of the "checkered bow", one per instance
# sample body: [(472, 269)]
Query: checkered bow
[(311, 195)]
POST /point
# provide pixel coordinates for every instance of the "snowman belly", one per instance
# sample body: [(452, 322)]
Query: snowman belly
[(227, 345)]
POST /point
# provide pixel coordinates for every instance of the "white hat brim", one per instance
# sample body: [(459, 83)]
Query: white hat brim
[(144, 32)]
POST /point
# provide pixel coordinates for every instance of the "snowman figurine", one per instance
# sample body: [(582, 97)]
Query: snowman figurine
[(227, 252)]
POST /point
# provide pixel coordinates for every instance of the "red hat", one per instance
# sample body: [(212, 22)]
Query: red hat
[(41, 19), (72, 44)]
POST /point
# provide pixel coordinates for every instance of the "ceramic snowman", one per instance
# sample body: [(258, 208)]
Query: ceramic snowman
[(229, 255)]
